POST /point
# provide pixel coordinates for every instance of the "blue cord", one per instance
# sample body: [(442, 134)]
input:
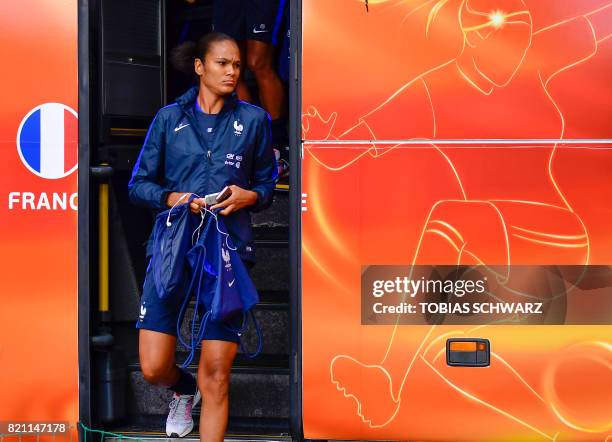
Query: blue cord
[(259, 338), (193, 345), (184, 307)]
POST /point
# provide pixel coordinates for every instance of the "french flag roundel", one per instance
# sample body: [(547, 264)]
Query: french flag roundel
[(47, 140)]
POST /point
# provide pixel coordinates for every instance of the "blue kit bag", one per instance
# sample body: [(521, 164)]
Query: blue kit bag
[(220, 284), (172, 238)]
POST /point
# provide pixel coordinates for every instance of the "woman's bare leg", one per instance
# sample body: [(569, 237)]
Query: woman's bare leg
[(213, 380), (156, 351)]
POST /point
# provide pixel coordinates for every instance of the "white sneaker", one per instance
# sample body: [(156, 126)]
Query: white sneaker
[(179, 422)]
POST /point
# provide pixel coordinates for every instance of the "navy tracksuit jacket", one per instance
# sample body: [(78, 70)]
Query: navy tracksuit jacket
[(176, 157)]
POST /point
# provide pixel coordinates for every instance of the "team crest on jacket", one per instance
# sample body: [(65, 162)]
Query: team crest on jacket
[(226, 257), (238, 128)]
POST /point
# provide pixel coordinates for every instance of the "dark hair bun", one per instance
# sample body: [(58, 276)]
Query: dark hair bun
[(183, 56)]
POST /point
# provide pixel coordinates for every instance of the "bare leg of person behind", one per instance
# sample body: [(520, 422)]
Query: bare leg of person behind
[(243, 91), (255, 25), (260, 61), (263, 20)]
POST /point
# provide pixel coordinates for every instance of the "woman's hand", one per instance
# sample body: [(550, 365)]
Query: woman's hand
[(239, 199), (183, 197)]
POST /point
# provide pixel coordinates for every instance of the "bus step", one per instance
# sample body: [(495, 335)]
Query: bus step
[(262, 396), (152, 427)]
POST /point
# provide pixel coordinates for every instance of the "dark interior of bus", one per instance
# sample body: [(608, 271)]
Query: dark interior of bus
[(130, 79)]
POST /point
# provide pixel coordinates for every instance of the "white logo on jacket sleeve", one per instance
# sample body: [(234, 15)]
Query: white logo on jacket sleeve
[(143, 312), (238, 128)]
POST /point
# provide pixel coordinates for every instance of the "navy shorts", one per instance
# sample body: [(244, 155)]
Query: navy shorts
[(249, 19), (160, 315)]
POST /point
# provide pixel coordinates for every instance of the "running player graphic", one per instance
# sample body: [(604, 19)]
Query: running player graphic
[(513, 209)]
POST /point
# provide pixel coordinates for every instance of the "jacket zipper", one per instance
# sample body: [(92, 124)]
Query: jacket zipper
[(202, 141)]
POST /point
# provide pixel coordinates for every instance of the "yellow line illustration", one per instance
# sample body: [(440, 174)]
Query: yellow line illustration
[(445, 228), (486, 404)]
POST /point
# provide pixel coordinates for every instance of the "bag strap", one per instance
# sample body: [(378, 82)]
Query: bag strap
[(196, 340), (183, 309), (193, 344), (259, 337), (197, 279)]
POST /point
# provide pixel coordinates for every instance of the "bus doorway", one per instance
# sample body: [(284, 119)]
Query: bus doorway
[(130, 79)]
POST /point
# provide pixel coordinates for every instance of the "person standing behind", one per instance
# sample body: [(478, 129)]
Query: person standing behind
[(255, 24)]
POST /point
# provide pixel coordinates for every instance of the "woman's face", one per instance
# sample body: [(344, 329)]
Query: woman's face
[(498, 35), (221, 68)]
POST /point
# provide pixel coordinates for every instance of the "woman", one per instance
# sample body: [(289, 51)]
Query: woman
[(205, 141)]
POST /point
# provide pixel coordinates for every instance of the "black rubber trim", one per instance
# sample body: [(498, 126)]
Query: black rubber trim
[(268, 300), (85, 411), (276, 232), (295, 214), (272, 243)]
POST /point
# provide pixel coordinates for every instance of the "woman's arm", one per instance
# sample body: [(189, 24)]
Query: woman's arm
[(144, 188), (263, 178)]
